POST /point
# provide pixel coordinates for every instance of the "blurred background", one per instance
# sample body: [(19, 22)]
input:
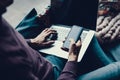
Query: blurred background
[(20, 8)]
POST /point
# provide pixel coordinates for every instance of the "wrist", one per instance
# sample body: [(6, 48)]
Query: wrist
[(32, 41), (72, 58)]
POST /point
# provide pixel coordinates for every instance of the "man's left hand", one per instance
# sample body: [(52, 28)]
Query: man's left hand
[(41, 39)]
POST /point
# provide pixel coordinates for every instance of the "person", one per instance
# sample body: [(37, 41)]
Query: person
[(89, 59), (20, 62), (100, 33), (97, 74)]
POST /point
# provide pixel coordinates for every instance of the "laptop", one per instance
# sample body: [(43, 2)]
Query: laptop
[(63, 30)]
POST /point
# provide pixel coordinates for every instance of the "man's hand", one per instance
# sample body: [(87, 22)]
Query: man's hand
[(41, 39), (74, 50)]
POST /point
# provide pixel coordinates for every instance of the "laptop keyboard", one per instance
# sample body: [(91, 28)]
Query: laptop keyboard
[(62, 32), (83, 35)]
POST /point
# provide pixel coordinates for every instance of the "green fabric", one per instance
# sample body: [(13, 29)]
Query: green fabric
[(112, 50), (30, 26)]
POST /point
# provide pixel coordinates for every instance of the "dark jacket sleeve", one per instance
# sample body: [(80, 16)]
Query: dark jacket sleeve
[(32, 45), (70, 71), (18, 60)]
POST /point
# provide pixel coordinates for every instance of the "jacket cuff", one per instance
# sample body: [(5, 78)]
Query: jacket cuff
[(71, 67), (28, 40)]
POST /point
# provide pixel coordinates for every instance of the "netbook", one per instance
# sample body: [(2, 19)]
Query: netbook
[(85, 19), (63, 31)]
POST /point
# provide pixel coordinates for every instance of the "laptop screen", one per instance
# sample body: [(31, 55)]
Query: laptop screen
[(75, 12)]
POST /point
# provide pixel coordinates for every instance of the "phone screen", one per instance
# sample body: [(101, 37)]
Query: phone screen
[(73, 34)]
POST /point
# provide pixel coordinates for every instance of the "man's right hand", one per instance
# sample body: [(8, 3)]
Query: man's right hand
[(74, 50)]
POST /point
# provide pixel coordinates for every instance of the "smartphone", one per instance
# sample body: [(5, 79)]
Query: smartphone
[(74, 33)]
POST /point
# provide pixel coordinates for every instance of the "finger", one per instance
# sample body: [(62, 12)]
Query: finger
[(45, 29), (48, 42), (50, 32), (79, 43), (99, 20), (72, 46), (72, 42), (78, 46)]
